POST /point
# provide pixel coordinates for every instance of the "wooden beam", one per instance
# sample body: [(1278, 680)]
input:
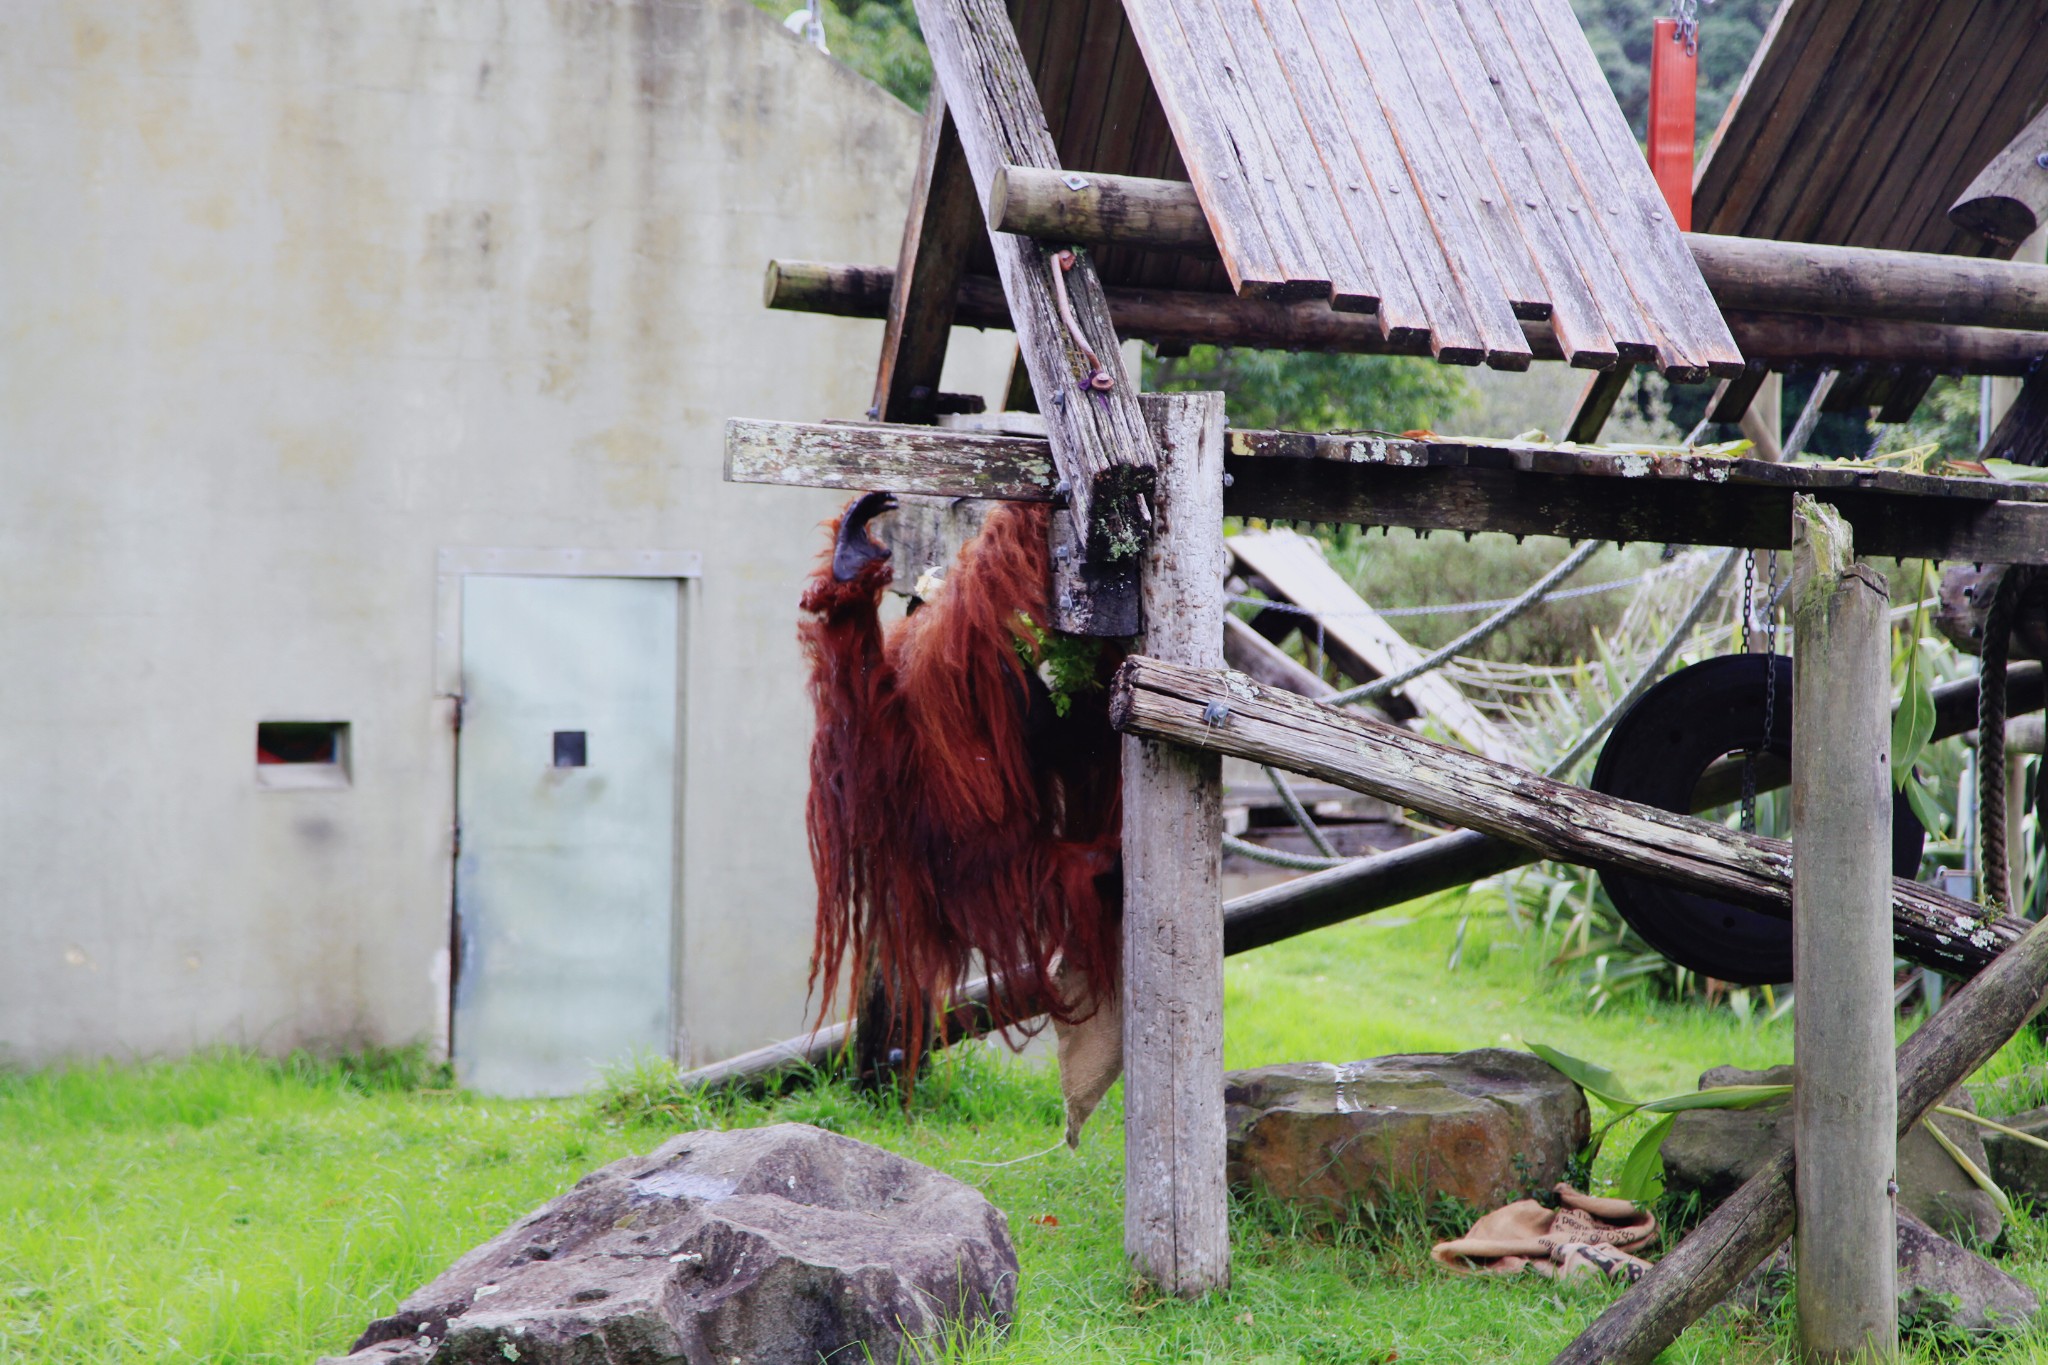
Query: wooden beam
[(1603, 389), (1743, 272), (1429, 866), (2022, 433), (944, 224), (1100, 440), (901, 459), (1176, 1202), (1101, 210), (1844, 1106), (1698, 1274), (1848, 281), (1230, 714), (1383, 880), (1444, 486), (1193, 318), (1732, 397), (2008, 201)]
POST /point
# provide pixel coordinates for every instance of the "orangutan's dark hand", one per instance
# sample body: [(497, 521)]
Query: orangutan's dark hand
[(856, 549)]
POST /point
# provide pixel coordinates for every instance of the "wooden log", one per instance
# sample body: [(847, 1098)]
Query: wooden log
[(943, 225), (1176, 1204), (1743, 272), (1230, 714), (1191, 318), (1432, 865), (2008, 201), (1103, 210), (1100, 440), (1383, 880), (1844, 1104), (1847, 281), (1698, 1274)]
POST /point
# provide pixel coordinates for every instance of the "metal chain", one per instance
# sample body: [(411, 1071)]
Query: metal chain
[(1749, 755), (1770, 660)]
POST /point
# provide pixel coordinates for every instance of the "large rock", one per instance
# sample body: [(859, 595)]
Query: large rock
[(1713, 1151), (2020, 1168), (1940, 1284), (767, 1245), (1484, 1127)]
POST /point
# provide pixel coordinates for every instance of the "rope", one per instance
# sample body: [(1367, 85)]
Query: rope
[(1298, 811), (1441, 608), (1994, 868), (1679, 635), (1300, 862), (1381, 687)]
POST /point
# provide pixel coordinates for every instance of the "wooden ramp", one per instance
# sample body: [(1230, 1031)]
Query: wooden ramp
[(1299, 574)]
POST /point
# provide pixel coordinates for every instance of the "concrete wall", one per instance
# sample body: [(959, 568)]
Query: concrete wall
[(293, 297)]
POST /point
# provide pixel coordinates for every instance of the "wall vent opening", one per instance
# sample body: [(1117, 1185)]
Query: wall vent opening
[(571, 749), (294, 755)]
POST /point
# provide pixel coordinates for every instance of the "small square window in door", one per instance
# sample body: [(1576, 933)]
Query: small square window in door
[(571, 751)]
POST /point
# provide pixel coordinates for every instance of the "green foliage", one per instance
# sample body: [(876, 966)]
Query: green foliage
[(878, 38), (1313, 392), (1947, 417)]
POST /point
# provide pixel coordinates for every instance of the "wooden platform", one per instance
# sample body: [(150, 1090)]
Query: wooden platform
[(1452, 486)]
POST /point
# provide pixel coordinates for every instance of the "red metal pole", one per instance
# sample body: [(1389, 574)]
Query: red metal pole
[(1674, 87)]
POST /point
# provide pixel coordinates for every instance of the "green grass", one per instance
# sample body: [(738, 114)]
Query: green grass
[(237, 1209)]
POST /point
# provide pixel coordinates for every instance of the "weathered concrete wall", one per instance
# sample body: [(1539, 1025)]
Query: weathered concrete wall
[(292, 296)]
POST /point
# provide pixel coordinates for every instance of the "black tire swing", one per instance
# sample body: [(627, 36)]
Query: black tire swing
[(1656, 755)]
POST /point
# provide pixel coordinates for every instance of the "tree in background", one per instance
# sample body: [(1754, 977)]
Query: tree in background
[(1309, 392)]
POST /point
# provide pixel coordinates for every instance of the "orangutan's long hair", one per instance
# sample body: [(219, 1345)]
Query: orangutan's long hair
[(953, 813)]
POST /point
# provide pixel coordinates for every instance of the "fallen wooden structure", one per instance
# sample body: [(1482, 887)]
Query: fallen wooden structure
[(1451, 180)]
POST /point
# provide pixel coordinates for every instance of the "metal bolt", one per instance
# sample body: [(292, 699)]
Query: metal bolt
[(1227, 480), (2041, 160), (1215, 713)]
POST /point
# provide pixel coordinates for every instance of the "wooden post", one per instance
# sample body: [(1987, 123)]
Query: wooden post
[(1977, 1021), (1844, 1100), (1176, 1232)]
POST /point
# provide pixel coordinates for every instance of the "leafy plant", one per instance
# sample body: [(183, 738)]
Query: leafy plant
[(1642, 1171)]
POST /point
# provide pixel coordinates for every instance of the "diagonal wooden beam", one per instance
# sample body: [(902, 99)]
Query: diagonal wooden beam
[(1100, 440), (944, 224), (2022, 434), (1228, 713)]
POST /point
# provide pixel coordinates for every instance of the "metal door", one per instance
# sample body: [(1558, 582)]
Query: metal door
[(565, 883)]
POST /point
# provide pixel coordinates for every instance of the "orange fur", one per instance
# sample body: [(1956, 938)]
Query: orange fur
[(946, 819)]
